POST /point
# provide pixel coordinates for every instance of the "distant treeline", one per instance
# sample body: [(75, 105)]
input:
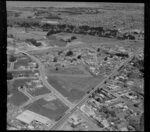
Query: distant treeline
[(87, 30)]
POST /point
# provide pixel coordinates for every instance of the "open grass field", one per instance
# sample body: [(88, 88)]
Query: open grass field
[(55, 42), (74, 88), (17, 97), (54, 109), (71, 70), (89, 40)]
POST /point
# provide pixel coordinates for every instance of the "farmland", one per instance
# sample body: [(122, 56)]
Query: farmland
[(54, 109)]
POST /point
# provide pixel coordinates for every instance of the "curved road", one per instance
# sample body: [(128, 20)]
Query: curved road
[(85, 98), (45, 82)]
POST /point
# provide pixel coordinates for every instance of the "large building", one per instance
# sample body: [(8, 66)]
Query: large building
[(28, 116)]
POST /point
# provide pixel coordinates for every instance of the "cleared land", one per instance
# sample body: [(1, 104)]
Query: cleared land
[(54, 109), (74, 88)]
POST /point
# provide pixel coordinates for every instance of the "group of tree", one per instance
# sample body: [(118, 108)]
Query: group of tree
[(33, 42), (96, 31), (85, 29), (69, 53)]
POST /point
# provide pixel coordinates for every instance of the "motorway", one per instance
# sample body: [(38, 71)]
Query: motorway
[(85, 98)]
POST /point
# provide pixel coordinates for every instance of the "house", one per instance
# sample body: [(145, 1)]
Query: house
[(105, 123), (50, 21)]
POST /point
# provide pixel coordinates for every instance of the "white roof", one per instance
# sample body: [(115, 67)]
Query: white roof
[(28, 116), (50, 22)]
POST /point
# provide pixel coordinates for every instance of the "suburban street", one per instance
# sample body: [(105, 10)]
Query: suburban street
[(53, 90), (75, 66), (62, 98), (55, 127)]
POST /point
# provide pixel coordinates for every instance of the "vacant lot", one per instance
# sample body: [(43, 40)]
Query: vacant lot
[(17, 97), (74, 88), (54, 109), (72, 70)]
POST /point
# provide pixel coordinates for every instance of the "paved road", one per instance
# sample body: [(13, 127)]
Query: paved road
[(86, 97), (74, 108), (41, 70)]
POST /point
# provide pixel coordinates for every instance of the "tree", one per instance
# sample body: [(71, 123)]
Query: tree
[(73, 37), (12, 58), (9, 76), (79, 57), (69, 53)]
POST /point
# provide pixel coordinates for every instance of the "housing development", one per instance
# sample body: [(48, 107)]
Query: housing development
[(75, 66)]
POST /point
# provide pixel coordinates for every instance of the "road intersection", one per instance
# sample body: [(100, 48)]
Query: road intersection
[(66, 116), (63, 99)]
